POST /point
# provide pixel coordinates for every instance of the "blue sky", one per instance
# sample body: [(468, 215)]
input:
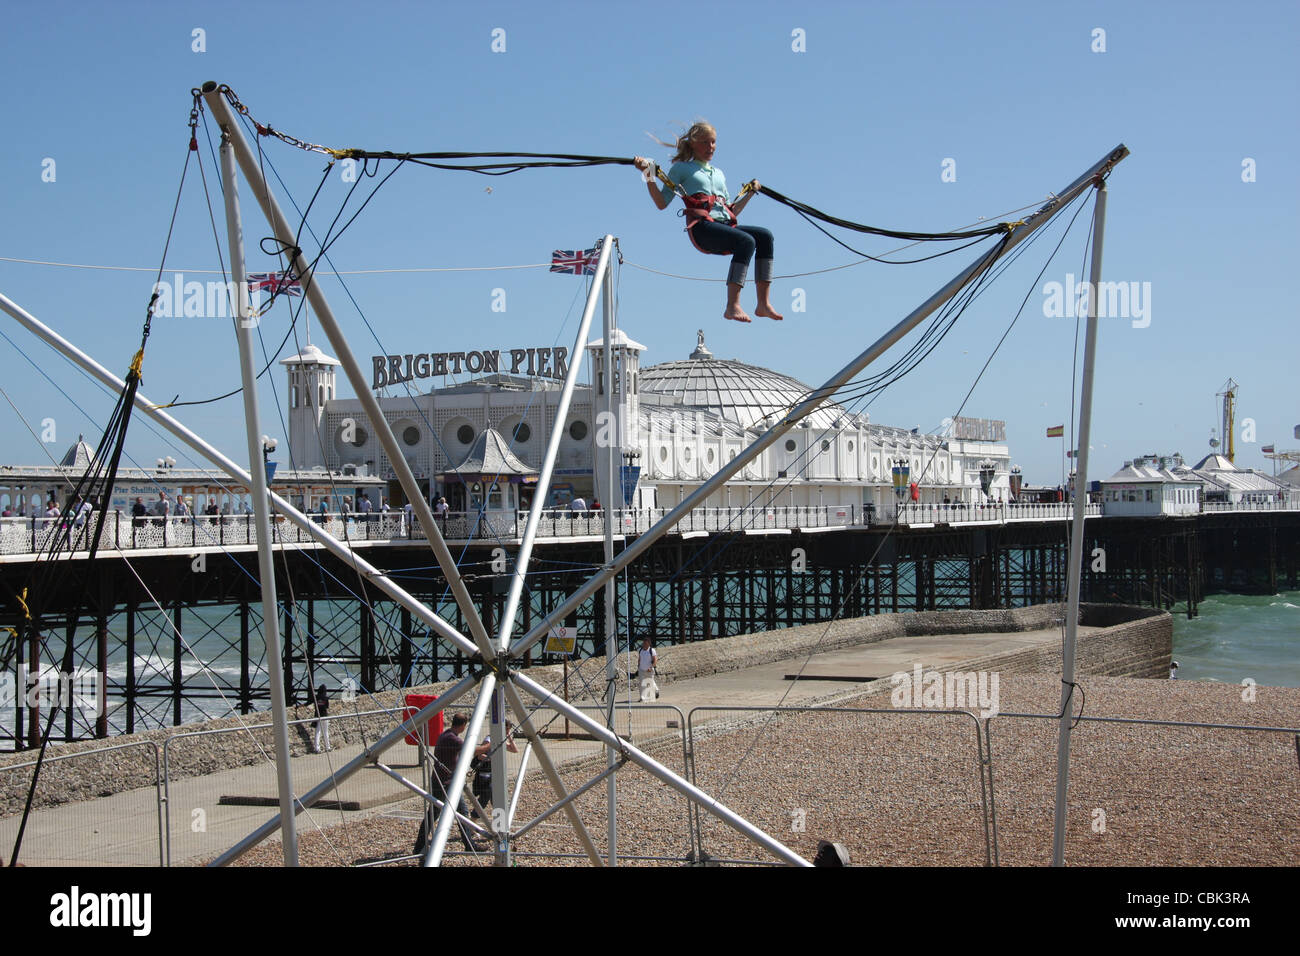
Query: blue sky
[(859, 123)]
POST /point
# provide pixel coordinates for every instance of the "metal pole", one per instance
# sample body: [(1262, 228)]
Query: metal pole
[(611, 446), (499, 823), (511, 608), (433, 854), (519, 783), (1076, 534), (261, 512), (724, 474), (325, 316), (552, 773), (236, 473), (659, 771)]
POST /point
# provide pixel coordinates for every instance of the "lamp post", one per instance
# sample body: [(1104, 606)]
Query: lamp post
[(1016, 482)]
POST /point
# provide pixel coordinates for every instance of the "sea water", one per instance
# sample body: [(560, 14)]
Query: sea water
[(1237, 636)]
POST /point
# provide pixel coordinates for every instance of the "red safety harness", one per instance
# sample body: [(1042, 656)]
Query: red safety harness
[(699, 207)]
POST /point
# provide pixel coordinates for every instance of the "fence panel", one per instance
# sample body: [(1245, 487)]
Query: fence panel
[(653, 821), (896, 787), (1147, 793), (220, 785), (71, 824)]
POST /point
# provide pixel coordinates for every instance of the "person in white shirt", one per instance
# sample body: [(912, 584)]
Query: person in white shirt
[(647, 660)]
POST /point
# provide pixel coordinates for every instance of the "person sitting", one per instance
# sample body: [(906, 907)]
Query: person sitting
[(711, 217)]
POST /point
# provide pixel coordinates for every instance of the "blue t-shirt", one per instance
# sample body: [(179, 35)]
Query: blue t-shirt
[(696, 177)]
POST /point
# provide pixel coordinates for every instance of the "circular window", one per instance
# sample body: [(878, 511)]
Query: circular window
[(826, 446), (850, 445), (523, 432), (359, 436), (578, 430), (411, 435), (790, 445), (663, 453), (710, 456), (465, 434), (686, 453)]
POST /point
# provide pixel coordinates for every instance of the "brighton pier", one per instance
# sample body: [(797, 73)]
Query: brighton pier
[(844, 518)]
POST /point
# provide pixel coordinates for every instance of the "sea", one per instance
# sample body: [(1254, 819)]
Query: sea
[(1233, 638), (1236, 637)]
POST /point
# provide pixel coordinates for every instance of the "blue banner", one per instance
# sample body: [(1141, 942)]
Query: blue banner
[(631, 475)]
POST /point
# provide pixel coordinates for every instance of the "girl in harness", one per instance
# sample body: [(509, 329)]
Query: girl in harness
[(711, 218)]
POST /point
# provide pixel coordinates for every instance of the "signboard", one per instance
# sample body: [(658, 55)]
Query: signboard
[(537, 362), (978, 429), (124, 495), (561, 640)]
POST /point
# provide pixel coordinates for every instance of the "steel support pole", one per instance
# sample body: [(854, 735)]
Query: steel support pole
[(519, 783), (433, 854), (244, 323), (635, 549), (1076, 533), (236, 473), (325, 316), (662, 773), (551, 771), (511, 608), (612, 446)]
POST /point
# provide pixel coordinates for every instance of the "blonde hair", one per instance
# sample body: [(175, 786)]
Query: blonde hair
[(682, 149)]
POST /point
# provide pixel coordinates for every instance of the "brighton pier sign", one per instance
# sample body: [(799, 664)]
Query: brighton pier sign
[(539, 362)]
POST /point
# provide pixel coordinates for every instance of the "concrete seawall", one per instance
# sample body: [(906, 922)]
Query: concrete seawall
[(1130, 642)]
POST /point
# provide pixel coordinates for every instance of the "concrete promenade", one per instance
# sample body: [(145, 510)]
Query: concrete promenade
[(124, 829)]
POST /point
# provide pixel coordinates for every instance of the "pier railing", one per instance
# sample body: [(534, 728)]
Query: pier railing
[(912, 513), (122, 532)]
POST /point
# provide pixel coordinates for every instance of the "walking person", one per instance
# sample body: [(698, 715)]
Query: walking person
[(647, 661), (445, 754), (322, 725)]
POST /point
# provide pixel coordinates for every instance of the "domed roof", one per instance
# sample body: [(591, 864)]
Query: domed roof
[(78, 456), (310, 355), (733, 390)]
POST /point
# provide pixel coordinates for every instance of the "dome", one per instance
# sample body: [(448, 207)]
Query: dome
[(741, 393), (310, 355)]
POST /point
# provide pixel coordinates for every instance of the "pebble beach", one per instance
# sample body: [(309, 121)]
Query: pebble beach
[(905, 789)]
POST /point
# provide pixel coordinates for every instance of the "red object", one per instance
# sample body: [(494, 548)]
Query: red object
[(416, 703), (916, 492)]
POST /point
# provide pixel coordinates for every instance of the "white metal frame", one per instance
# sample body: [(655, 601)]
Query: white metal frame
[(499, 685)]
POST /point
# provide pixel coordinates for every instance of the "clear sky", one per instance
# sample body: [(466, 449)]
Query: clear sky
[(858, 109)]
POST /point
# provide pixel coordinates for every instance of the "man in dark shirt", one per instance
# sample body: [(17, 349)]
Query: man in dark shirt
[(445, 754)]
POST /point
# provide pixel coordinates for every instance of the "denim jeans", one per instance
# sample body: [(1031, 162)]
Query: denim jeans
[(741, 243)]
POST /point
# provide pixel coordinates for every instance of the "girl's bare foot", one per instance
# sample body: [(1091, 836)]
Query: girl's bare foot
[(765, 309), (736, 314)]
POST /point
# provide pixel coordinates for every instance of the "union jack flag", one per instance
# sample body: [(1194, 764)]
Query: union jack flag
[(280, 283), (574, 263)]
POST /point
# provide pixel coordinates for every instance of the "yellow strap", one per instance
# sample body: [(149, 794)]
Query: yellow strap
[(137, 362), (1008, 226), (22, 599), (342, 153)]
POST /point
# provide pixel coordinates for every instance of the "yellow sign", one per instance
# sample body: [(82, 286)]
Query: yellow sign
[(561, 640)]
